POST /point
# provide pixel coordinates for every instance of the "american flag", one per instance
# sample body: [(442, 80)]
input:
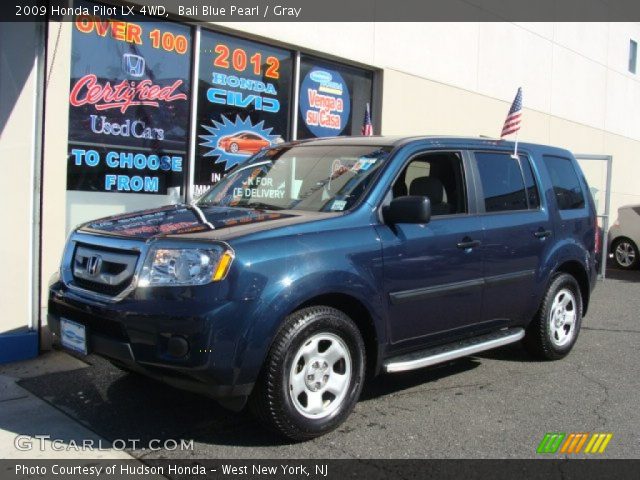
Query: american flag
[(512, 123), (367, 127)]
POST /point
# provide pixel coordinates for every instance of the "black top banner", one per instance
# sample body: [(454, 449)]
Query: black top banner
[(339, 10)]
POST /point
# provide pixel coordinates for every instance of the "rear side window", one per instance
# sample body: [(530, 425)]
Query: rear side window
[(502, 182), (566, 185)]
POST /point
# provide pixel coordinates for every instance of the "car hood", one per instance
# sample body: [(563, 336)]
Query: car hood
[(212, 222)]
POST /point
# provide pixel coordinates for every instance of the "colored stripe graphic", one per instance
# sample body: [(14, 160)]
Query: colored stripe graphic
[(551, 442), (572, 443), (598, 443)]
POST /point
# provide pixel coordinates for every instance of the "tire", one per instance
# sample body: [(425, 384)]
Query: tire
[(313, 374), (234, 148), (554, 330), (625, 253)]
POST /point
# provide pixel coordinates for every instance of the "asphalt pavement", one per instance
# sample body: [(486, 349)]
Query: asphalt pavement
[(495, 405)]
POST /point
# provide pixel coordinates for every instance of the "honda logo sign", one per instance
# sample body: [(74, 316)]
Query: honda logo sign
[(133, 65)]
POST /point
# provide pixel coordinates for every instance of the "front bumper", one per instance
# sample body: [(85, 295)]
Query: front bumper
[(135, 333)]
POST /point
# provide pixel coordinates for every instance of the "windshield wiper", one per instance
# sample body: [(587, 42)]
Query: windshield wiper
[(260, 206)]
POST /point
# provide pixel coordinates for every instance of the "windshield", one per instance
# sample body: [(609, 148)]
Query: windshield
[(312, 178)]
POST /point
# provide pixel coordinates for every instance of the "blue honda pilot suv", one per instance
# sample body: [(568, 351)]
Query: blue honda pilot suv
[(318, 263)]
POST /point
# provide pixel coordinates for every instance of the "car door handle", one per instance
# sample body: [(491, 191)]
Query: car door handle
[(468, 243), (542, 233)]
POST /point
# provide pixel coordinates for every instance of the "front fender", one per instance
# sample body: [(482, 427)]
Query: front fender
[(275, 275), (269, 313)]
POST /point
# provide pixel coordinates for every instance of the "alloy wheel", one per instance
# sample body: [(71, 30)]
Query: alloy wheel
[(625, 254), (562, 318), (320, 375)]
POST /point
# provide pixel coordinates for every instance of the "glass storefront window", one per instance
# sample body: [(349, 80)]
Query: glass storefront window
[(128, 105), (244, 92), (131, 95), (333, 98)]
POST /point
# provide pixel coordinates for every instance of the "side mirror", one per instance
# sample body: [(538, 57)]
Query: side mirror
[(408, 209)]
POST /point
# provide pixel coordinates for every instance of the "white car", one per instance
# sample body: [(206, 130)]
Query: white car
[(624, 237)]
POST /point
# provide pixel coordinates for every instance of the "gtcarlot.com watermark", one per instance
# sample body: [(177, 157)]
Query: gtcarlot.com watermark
[(43, 443)]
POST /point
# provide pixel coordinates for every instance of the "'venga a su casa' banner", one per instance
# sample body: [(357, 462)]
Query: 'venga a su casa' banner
[(333, 98), (128, 105)]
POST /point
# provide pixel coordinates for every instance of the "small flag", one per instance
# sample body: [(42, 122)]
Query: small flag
[(367, 127), (512, 123)]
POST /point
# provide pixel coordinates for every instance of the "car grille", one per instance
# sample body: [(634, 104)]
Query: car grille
[(103, 270)]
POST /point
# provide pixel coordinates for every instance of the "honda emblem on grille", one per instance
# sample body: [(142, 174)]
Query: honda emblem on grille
[(94, 263)]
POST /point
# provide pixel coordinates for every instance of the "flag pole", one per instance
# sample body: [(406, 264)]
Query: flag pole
[(515, 147)]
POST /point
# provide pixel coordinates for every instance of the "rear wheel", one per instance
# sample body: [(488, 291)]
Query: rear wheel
[(313, 375), (554, 330), (625, 253)]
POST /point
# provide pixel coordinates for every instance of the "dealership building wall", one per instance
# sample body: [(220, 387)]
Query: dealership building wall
[(20, 74), (429, 78)]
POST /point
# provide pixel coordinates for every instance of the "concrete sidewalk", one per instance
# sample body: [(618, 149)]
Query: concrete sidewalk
[(30, 428)]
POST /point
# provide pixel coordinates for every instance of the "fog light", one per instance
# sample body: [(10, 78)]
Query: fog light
[(177, 346)]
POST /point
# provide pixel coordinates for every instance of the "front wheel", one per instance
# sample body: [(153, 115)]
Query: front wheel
[(313, 375), (625, 253), (553, 332)]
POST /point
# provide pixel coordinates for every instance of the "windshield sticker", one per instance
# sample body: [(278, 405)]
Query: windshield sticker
[(337, 168), (363, 164), (338, 205)]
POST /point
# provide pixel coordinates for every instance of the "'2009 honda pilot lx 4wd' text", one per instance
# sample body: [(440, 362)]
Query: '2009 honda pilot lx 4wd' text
[(317, 263)]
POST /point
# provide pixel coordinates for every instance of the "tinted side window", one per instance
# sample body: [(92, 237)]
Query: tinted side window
[(530, 183), (502, 183), (566, 185), (437, 176)]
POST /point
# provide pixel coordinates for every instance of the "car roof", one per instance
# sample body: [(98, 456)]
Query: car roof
[(428, 140)]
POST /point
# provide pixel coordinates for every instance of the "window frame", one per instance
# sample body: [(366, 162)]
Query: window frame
[(536, 182), (480, 200)]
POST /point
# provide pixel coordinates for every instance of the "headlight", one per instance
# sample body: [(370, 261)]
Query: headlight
[(179, 267)]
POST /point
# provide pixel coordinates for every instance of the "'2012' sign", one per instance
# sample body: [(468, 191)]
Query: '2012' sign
[(239, 61)]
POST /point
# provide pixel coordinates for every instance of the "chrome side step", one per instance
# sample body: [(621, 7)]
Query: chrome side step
[(451, 351)]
